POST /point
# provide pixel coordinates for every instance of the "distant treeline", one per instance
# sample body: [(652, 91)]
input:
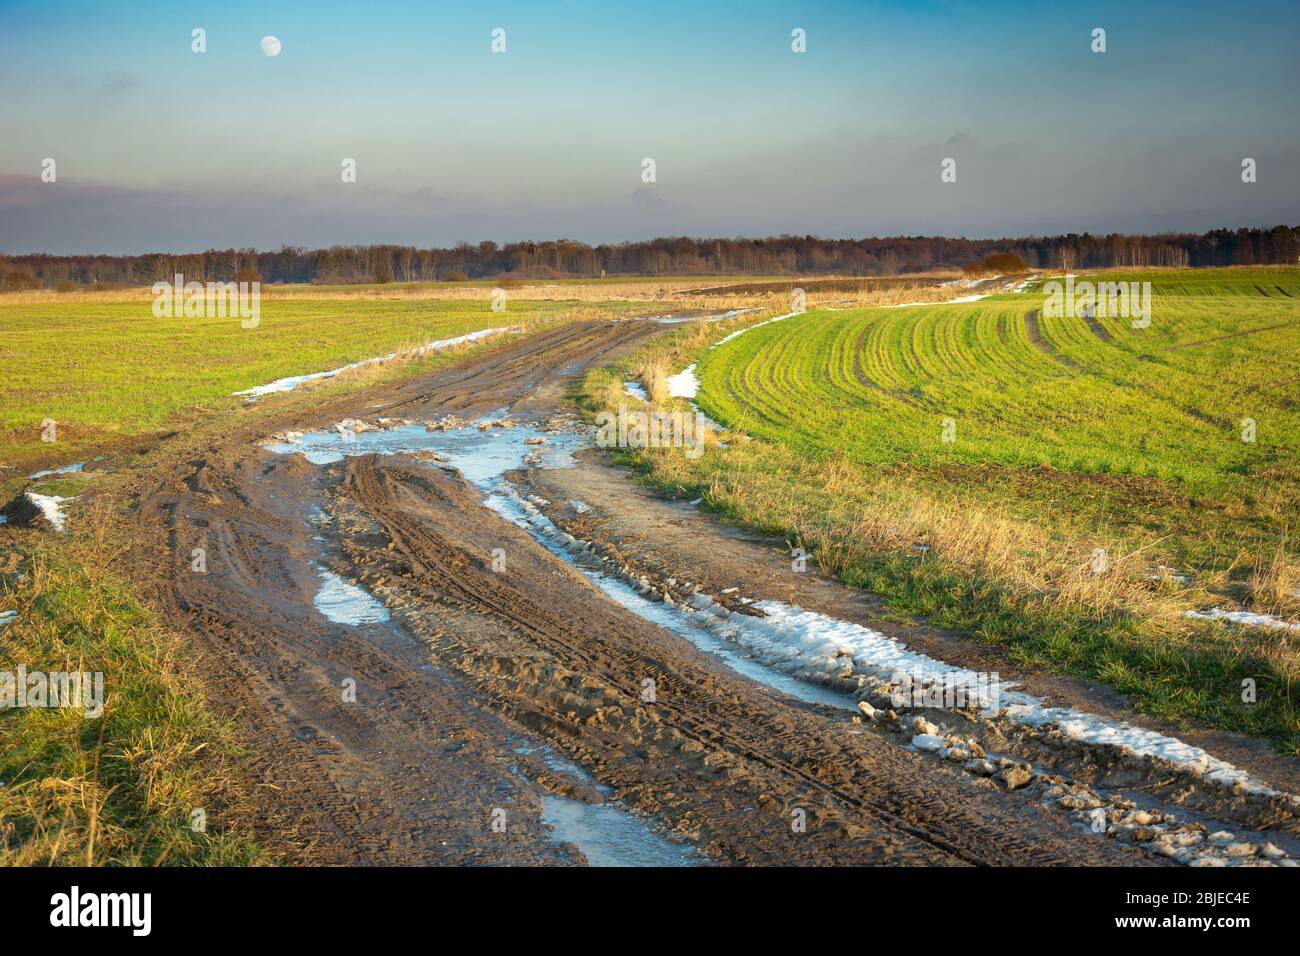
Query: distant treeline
[(680, 256)]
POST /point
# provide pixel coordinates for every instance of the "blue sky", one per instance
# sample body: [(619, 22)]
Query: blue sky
[(160, 148)]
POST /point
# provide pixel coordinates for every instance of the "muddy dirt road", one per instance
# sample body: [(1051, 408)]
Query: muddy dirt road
[(424, 678)]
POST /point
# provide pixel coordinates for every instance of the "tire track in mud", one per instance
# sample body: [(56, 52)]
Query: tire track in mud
[(882, 804), (409, 777), (367, 773), (672, 552)]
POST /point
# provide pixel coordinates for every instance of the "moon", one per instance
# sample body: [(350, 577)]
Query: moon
[(271, 46)]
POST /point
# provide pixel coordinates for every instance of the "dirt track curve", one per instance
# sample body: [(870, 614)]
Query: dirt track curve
[(458, 697)]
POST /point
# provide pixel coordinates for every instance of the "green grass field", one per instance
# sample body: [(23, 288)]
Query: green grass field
[(1102, 428), (1166, 401)]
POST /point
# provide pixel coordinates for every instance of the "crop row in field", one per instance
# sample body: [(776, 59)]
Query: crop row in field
[(1207, 390)]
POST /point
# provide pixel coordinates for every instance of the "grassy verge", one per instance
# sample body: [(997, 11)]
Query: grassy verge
[(1007, 554), (126, 787)]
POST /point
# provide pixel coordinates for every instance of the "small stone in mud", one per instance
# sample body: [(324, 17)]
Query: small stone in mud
[(1013, 778), (1141, 818), (535, 440), (428, 454), (867, 710), (981, 768), (1076, 802), (923, 726)]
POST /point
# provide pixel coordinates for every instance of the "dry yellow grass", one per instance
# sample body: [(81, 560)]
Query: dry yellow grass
[(119, 788), (1275, 584)]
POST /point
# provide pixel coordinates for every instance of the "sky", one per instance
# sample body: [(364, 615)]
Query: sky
[(159, 148)]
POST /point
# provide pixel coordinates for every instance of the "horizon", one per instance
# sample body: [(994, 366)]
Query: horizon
[(451, 247), (158, 147)]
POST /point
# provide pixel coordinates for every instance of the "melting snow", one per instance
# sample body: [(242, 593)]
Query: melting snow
[(684, 384), (804, 644), (1247, 618), (794, 638), (960, 298), (50, 507), (750, 328)]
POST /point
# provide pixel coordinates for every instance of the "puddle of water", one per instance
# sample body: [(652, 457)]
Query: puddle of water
[(610, 837), (7, 618), (65, 470), (559, 764), (679, 319), (481, 456), (342, 602), (484, 457), (607, 834), (636, 390)]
